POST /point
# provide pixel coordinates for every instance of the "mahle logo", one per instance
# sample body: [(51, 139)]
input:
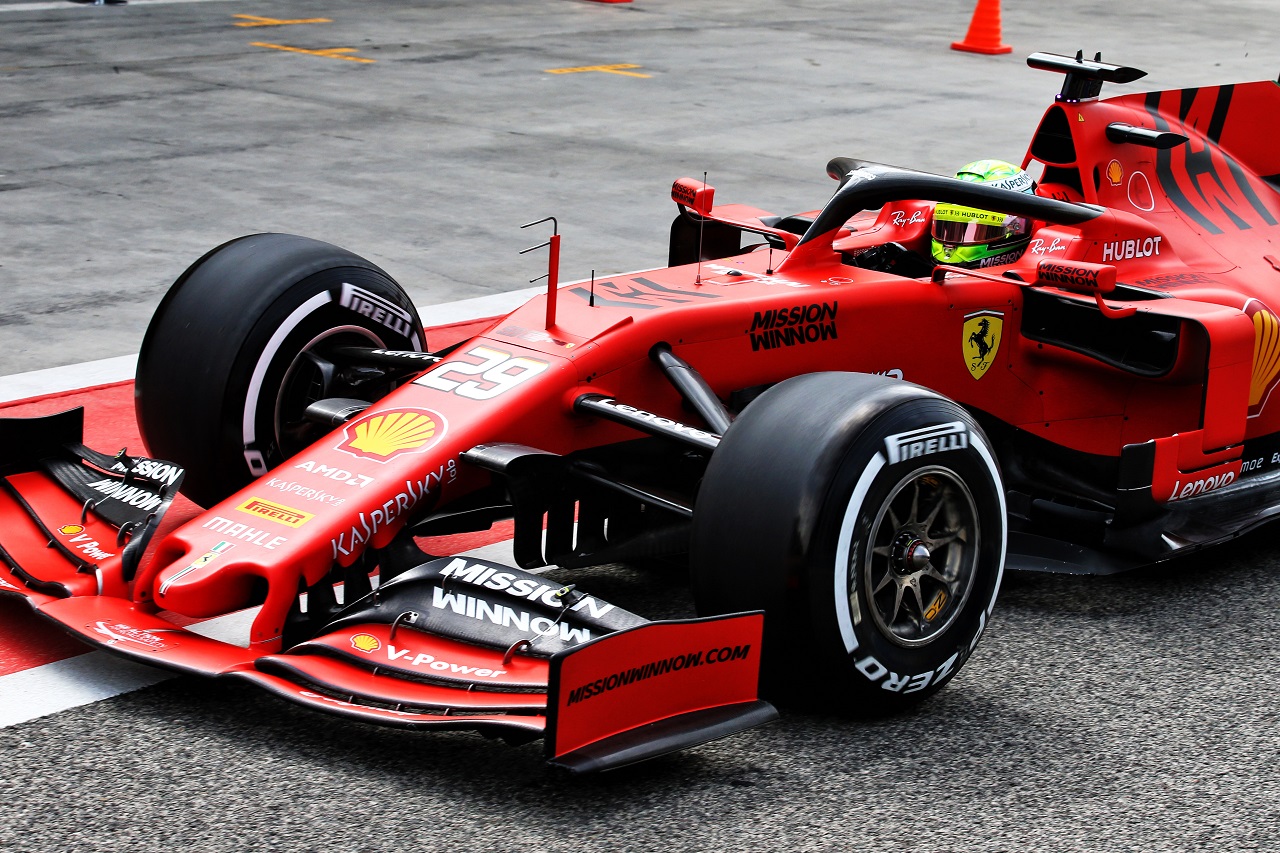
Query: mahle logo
[(386, 434)]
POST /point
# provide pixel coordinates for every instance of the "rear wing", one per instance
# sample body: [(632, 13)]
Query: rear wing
[(1084, 76)]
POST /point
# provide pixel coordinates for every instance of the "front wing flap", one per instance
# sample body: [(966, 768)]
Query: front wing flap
[(74, 521), (623, 698)]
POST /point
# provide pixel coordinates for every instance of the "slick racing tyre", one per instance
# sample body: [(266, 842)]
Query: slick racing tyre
[(866, 517), (246, 339)]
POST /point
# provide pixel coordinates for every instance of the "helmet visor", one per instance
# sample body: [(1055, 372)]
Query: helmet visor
[(955, 225)]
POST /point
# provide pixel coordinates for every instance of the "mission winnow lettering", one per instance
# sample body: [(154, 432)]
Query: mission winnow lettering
[(135, 496), (725, 654), (800, 324)]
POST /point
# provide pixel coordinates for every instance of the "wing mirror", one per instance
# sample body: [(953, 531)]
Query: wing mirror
[(693, 194), (1096, 280), (1076, 276)]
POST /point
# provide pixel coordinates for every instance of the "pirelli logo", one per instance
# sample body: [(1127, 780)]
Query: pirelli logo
[(279, 513), (926, 441)]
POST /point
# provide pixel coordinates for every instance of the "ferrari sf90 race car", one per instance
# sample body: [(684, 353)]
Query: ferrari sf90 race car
[(845, 455)]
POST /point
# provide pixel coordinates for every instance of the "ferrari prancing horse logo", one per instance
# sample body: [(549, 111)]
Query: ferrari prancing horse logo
[(981, 340)]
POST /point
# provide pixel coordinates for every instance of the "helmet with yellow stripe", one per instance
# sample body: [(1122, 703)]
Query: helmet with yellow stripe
[(969, 237)]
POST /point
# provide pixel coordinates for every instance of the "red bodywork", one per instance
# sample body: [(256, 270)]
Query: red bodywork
[(1111, 406)]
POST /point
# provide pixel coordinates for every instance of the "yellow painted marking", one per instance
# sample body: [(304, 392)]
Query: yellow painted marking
[(259, 21), (328, 52), (607, 69)]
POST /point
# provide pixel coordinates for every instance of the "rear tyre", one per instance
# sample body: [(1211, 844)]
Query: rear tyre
[(866, 517), (246, 339)]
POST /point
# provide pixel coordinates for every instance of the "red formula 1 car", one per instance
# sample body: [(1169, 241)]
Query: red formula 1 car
[(849, 458)]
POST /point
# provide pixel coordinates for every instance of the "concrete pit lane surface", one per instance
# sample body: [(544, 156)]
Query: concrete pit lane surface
[(1127, 713)]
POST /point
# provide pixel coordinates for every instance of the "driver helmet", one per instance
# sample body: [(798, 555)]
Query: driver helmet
[(968, 237)]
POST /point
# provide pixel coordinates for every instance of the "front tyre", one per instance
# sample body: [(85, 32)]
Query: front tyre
[(246, 339), (866, 517)]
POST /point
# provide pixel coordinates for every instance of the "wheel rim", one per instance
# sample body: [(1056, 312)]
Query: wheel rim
[(923, 556), (315, 374)]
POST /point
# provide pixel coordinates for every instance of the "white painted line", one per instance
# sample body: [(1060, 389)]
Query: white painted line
[(69, 683), (233, 628), (65, 4), (500, 552), (93, 676), (495, 305), (72, 377)]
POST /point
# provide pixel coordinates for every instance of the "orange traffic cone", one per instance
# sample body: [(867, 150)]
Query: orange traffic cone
[(984, 30)]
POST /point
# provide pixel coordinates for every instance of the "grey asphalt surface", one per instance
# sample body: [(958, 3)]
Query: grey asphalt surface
[(1126, 713)]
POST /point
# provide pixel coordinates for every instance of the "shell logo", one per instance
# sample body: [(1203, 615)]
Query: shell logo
[(366, 643), (71, 529), (386, 434), (1266, 354), (1115, 173)]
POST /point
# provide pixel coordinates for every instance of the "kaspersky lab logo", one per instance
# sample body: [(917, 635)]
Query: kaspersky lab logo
[(383, 435)]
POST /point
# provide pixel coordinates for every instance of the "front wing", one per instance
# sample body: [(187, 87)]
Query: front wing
[(625, 695)]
